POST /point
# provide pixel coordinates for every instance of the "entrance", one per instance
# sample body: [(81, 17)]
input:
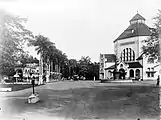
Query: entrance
[(131, 73), (122, 73), (137, 73)]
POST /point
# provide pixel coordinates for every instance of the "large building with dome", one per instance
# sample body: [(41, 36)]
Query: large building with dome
[(128, 56)]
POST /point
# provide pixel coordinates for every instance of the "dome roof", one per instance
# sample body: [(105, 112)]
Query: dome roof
[(137, 17)]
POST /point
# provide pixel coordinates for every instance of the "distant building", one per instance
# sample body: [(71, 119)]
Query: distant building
[(128, 53), (107, 65), (27, 71)]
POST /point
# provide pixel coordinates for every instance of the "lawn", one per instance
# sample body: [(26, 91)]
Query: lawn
[(89, 101), (17, 87)]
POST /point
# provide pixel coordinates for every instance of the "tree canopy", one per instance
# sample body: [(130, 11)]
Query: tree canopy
[(13, 35), (151, 47)]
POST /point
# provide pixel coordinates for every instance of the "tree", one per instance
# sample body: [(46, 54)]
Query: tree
[(26, 58), (13, 35), (151, 47), (96, 70), (72, 65), (43, 46), (85, 64)]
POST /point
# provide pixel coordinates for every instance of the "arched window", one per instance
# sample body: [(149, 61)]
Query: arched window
[(131, 73), (127, 55)]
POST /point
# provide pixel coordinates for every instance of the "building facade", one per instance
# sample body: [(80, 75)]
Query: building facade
[(30, 70), (129, 56)]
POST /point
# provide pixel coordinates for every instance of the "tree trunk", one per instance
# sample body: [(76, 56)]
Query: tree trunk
[(52, 66), (41, 69), (48, 71)]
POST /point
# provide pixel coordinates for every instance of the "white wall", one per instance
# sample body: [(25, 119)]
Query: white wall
[(147, 65), (134, 47), (137, 47)]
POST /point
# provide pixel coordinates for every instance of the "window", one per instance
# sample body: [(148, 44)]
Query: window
[(152, 74), (148, 74), (128, 55)]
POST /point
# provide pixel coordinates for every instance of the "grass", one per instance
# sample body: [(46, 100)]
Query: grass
[(112, 102), (17, 87)]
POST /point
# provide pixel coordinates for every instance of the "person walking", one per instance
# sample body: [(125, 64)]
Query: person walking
[(33, 84), (158, 80)]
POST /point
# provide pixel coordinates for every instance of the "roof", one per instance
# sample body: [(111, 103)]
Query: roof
[(156, 65), (140, 57), (111, 67), (137, 29), (131, 65), (134, 65), (137, 17), (110, 57)]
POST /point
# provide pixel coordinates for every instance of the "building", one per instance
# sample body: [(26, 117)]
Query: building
[(107, 65), (129, 58), (27, 71)]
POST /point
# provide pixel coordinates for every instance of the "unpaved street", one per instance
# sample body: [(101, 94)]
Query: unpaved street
[(84, 100)]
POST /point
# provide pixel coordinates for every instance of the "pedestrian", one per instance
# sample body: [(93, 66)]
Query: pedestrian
[(33, 84), (158, 80)]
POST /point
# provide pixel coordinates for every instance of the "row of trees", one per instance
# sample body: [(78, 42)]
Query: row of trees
[(83, 67), (14, 35), (50, 56)]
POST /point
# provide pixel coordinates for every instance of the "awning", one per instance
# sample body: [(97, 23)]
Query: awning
[(135, 65), (150, 71), (111, 67)]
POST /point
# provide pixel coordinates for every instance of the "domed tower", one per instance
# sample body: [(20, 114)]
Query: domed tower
[(131, 39), (128, 46)]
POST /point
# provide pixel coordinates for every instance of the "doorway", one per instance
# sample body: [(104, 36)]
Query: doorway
[(131, 73)]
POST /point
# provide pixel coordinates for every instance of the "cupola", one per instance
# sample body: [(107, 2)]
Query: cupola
[(137, 19)]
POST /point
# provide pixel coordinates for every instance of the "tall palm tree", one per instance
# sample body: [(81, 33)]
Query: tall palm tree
[(72, 63), (42, 45)]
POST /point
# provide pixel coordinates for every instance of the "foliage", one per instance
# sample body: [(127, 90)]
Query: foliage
[(49, 53), (26, 58), (151, 47), (13, 35), (84, 67)]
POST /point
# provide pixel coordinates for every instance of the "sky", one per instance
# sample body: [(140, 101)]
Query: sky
[(81, 27)]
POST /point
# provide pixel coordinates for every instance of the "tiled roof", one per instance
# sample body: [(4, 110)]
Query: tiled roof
[(135, 65), (110, 57), (137, 17), (137, 29)]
